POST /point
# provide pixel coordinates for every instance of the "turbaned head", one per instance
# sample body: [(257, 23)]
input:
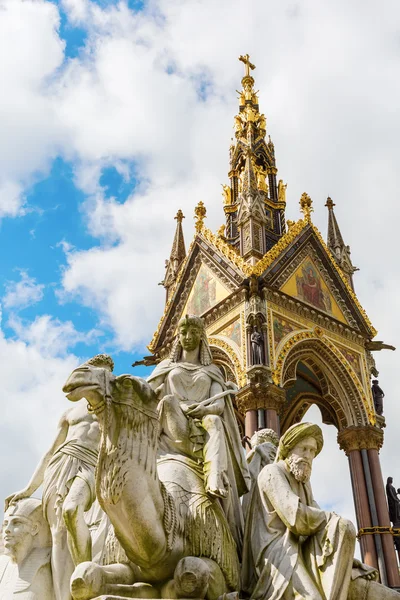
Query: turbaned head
[(298, 447)]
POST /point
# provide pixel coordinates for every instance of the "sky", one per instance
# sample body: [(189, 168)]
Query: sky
[(115, 114)]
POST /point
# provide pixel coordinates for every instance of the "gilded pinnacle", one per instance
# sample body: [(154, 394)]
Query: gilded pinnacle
[(200, 214), (306, 206)]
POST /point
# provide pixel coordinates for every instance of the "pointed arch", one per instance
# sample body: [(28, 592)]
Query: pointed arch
[(342, 395)]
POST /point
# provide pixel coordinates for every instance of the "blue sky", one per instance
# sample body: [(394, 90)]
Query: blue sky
[(32, 243), (116, 114)]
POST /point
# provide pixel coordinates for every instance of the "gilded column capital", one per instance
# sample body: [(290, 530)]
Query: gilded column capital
[(260, 393), (360, 438)]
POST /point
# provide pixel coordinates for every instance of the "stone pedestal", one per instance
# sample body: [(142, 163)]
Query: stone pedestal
[(260, 394)]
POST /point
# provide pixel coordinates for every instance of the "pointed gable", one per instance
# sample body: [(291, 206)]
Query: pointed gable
[(210, 273), (284, 261)]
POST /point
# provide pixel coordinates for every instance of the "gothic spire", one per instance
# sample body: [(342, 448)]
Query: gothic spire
[(336, 245), (252, 171), (177, 256)]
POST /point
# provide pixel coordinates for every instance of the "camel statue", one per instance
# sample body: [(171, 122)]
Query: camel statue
[(175, 537)]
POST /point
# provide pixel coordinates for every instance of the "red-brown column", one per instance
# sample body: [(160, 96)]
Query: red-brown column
[(272, 420), (251, 422), (363, 514), (383, 517)]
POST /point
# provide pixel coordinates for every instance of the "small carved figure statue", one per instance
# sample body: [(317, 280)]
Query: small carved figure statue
[(378, 396), (227, 194), (261, 178), (25, 571), (282, 191), (262, 123), (238, 125), (250, 114), (263, 444), (393, 502), (257, 347)]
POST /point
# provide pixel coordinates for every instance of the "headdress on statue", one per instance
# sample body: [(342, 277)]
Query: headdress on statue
[(205, 355), (31, 509), (103, 361), (295, 434)]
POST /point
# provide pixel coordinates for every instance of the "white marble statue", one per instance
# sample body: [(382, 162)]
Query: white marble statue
[(25, 572), (293, 548), (264, 444), (154, 492), (197, 418), (67, 474)]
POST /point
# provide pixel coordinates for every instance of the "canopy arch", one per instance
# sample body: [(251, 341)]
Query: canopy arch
[(342, 396)]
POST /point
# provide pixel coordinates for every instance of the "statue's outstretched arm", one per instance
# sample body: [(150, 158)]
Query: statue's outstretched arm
[(38, 475)]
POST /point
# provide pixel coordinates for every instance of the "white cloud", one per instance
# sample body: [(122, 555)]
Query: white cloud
[(22, 293), (328, 85), (50, 336), (31, 407), (11, 199), (30, 51)]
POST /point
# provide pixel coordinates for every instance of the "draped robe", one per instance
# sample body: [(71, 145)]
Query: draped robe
[(292, 548), (187, 381)]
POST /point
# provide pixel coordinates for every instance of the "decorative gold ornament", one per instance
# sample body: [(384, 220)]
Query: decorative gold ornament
[(200, 214), (247, 64), (227, 194), (278, 248), (306, 206), (221, 231), (228, 251)]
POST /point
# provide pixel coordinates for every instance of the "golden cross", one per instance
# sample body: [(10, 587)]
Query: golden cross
[(248, 65)]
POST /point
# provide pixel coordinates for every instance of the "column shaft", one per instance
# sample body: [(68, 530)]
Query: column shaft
[(251, 424), (363, 514), (272, 420), (383, 517)]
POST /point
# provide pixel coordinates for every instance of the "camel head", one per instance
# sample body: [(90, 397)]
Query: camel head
[(91, 380)]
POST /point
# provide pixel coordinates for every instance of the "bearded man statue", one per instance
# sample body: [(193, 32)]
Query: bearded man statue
[(293, 548)]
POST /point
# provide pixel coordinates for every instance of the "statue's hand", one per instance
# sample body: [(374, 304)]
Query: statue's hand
[(197, 411), (14, 497)]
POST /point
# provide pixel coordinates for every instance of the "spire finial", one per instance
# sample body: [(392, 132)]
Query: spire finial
[(306, 206), (329, 203), (247, 64), (200, 214), (179, 216)]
